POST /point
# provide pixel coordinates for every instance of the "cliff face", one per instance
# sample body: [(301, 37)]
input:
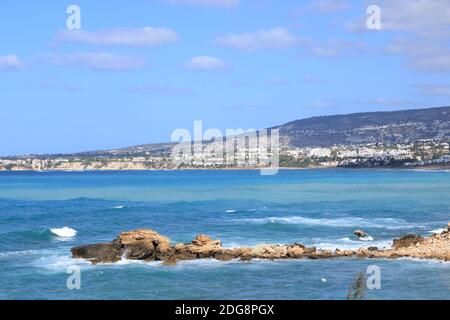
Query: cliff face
[(82, 165)]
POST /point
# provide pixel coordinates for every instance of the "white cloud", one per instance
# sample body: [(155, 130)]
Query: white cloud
[(211, 3), (147, 36), (424, 28), (338, 47), (421, 17), (329, 6), (276, 38), (53, 83), (10, 62), (435, 90), (392, 102), (205, 63), (160, 89), (430, 63), (324, 104), (422, 55), (378, 101), (56, 84), (101, 61)]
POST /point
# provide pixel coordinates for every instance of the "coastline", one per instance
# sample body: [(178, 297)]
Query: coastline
[(439, 168)]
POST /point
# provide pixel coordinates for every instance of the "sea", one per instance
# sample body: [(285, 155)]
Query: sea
[(44, 214)]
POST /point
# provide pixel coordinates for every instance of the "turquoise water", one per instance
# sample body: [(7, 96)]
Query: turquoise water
[(314, 207)]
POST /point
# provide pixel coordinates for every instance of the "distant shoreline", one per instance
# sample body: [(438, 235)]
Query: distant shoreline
[(410, 168)]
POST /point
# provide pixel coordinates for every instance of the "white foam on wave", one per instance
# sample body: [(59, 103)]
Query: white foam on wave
[(8, 254), (386, 223), (64, 232), (204, 263), (431, 262), (348, 244), (230, 211), (438, 231), (431, 170), (59, 263), (125, 262), (118, 207), (366, 238)]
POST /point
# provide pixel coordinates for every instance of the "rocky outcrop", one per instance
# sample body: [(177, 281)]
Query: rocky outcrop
[(141, 244), (435, 247), (98, 253), (360, 233), (407, 241), (149, 245)]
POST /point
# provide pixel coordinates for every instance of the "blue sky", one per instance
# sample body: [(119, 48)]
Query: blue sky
[(138, 70)]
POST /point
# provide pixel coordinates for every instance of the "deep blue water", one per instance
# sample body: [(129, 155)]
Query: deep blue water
[(314, 207)]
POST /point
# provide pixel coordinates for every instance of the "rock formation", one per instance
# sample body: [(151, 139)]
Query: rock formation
[(407, 241), (360, 233), (149, 245)]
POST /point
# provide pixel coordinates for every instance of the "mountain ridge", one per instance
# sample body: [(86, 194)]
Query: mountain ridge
[(399, 126), (293, 133), (385, 127)]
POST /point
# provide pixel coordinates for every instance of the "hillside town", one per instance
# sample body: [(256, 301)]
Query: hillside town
[(421, 153)]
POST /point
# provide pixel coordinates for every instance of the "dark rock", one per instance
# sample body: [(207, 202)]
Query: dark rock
[(360, 233), (141, 244), (246, 258), (164, 251), (182, 252), (141, 250), (224, 255), (98, 253), (171, 262), (407, 241)]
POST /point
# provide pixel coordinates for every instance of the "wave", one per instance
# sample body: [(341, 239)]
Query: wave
[(438, 231), (8, 254), (431, 170), (118, 207), (230, 211), (61, 234), (386, 223), (349, 244), (366, 238), (64, 232), (59, 263)]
